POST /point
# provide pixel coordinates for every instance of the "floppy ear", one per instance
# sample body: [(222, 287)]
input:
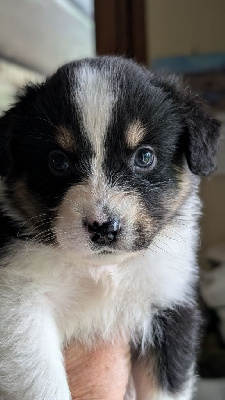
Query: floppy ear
[(202, 134), (201, 131), (11, 122), (5, 135)]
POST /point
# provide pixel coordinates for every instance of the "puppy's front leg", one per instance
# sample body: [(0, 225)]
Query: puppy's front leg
[(31, 363), (165, 369)]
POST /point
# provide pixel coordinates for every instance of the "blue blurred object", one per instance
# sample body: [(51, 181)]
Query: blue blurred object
[(190, 64)]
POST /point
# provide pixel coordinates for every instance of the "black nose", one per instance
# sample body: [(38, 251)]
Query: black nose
[(105, 233)]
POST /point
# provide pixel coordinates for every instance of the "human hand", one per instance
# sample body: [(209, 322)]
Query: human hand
[(98, 374)]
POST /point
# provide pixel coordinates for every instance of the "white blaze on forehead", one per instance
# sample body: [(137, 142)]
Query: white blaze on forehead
[(95, 96)]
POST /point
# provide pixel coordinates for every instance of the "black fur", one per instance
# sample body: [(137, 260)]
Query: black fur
[(176, 334), (201, 132), (8, 230), (27, 134), (173, 351)]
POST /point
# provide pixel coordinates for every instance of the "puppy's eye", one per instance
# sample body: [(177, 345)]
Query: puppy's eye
[(58, 162), (144, 158)]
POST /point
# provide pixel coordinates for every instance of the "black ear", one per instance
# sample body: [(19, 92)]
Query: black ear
[(202, 134), (12, 121), (201, 131), (5, 136)]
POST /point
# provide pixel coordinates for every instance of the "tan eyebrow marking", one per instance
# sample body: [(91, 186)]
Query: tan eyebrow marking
[(134, 134), (65, 138)]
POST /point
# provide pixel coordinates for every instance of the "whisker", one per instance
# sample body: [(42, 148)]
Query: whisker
[(29, 220), (42, 233), (39, 225), (158, 247)]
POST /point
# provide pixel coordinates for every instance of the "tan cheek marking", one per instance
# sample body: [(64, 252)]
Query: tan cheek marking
[(23, 200), (149, 224), (135, 134), (184, 190), (146, 222), (65, 139)]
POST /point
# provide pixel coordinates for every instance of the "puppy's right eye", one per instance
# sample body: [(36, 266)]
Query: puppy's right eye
[(58, 162)]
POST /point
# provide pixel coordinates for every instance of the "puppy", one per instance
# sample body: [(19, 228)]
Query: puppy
[(100, 169)]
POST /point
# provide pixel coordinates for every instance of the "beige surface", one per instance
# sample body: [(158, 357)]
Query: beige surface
[(213, 220), (183, 27)]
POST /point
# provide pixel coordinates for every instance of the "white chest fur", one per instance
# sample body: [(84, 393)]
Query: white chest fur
[(90, 301)]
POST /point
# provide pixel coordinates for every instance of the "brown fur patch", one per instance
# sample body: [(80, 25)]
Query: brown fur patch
[(36, 223), (135, 134), (23, 200), (65, 139), (184, 188)]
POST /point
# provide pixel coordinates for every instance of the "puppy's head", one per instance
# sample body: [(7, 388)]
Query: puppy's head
[(95, 159)]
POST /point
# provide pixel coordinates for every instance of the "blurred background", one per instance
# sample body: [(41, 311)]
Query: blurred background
[(182, 36)]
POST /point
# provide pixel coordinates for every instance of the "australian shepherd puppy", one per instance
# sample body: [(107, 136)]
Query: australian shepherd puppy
[(99, 206)]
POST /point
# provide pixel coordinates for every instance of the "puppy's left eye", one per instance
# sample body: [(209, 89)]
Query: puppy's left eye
[(58, 162), (144, 158)]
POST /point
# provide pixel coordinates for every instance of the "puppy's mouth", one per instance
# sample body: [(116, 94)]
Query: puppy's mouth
[(106, 252), (104, 249), (109, 256)]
